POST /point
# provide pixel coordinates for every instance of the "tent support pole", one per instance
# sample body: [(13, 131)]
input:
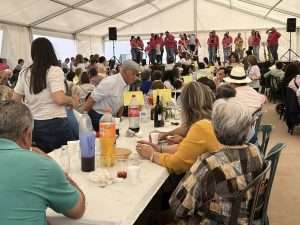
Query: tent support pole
[(195, 17), (298, 40), (30, 33)]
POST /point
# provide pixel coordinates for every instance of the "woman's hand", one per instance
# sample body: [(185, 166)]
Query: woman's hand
[(154, 146), (176, 139), (145, 150), (161, 136)]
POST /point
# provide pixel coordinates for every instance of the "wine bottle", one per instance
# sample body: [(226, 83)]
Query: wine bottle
[(158, 113)]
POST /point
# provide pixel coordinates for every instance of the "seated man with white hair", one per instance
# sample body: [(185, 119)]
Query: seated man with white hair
[(202, 195), (30, 181), (109, 93)]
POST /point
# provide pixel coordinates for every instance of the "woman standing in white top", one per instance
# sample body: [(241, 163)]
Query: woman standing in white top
[(41, 85), (253, 72)]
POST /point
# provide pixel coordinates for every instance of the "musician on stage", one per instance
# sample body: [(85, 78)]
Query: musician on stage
[(193, 44), (272, 42), (238, 42), (171, 46), (158, 49), (182, 45), (139, 49), (256, 44), (161, 42), (227, 46), (133, 46), (213, 46), (152, 52)]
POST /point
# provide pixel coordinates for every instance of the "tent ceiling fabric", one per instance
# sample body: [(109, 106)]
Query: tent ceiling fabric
[(70, 21), (27, 11), (145, 16), (110, 7), (136, 14)]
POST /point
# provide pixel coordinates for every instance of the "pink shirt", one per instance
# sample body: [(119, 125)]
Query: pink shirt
[(256, 41), (249, 97), (140, 44), (213, 41), (273, 38), (170, 41), (152, 43), (227, 42)]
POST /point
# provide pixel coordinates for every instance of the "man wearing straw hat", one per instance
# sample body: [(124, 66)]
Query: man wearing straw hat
[(244, 93)]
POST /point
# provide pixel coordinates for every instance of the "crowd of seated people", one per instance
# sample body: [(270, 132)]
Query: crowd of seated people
[(52, 91)]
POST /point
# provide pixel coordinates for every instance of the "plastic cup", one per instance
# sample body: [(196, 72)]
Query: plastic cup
[(121, 168), (133, 174), (117, 121), (154, 137), (65, 158)]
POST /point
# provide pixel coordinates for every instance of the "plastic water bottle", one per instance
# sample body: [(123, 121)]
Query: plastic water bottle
[(146, 111), (134, 114), (87, 138), (107, 129)]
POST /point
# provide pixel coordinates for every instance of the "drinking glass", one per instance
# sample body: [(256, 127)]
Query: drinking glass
[(65, 158)]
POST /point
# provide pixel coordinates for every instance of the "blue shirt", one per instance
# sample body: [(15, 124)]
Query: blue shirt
[(29, 183), (145, 86)]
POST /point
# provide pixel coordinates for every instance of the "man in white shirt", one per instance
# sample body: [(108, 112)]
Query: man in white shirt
[(244, 93), (275, 71), (109, 93)]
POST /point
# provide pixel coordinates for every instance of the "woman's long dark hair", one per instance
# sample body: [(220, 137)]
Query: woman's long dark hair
[(43, 56), (292, 70)]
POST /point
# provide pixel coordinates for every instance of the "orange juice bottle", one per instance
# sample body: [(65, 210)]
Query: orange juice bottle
[(107, 129)]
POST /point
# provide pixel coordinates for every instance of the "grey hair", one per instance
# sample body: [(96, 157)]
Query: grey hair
[(231, 121), (130, 65), (14, 119)]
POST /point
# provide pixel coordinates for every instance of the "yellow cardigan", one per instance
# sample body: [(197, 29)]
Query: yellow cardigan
[(199, 139)]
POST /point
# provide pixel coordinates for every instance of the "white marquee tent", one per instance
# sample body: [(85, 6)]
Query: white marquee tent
[(87, 21)]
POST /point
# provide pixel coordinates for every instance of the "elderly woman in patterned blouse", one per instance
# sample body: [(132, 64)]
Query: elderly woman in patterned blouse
[(200, 196), (5, 91)]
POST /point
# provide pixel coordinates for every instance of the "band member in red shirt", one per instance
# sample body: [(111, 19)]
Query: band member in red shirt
[(227, 46), (213, 46), (161, 42), (133, 46), (256, 44), (171, 47), (272, 42), (182, 45), (152, 53), (139, 49)]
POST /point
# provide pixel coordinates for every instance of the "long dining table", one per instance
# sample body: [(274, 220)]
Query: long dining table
[(119, 203)]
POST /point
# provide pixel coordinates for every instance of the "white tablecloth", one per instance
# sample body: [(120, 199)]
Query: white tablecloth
[(119, 203)]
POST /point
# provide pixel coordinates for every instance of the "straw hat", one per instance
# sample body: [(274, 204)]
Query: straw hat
[(237, 76)]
